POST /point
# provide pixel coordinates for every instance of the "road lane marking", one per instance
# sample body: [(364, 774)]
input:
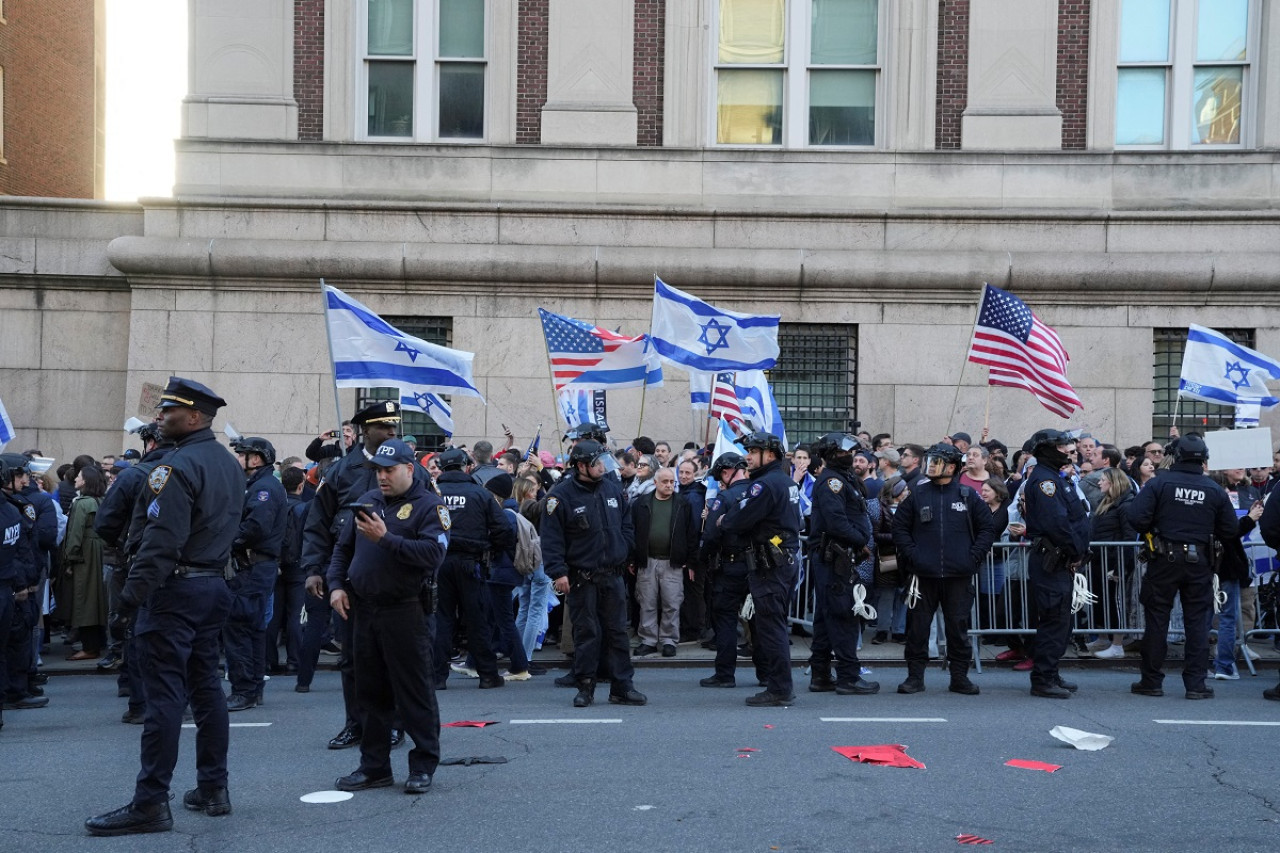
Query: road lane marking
[(1215, 723), (569, 721), (232, 725), (883, 719)]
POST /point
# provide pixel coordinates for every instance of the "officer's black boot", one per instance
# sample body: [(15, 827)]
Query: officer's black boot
[(820, 680), (586, 693), (241, 701), (960, 682), (133, 818), (211, 801)]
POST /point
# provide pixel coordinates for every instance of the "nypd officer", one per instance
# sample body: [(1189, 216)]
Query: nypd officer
[(725, 555), (11, 582), (344, 483), (841, 529), (586, 538), (257, 562), (18, 689), (769, 518), (178, 591), (1058, 526), (479, 528), (381, 568), (1186, 515), (1269, 528), (942, 532)]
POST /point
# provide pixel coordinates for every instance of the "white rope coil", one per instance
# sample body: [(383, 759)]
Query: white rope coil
[(860, 606), (748, 608), (1080, 595), (1219, 596), (913, 592)]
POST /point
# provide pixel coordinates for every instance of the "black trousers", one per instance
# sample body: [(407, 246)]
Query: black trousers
[(6, 622), (318, 615), (461, 592), (771, 593), (23, 617), (728, 591), (835, 628), (1051, 606), (954, 595), (286, 609), (599, 605), (393, 676), (1193, 584), (177, 641)]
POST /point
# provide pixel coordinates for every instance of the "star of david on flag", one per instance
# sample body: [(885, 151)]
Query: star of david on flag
[(368, 351), (1216, 369), (433, 405), (699, 336)]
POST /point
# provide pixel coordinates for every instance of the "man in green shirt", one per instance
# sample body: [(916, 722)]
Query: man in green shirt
[(666, 541)]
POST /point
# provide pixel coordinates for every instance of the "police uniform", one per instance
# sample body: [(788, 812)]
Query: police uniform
[(587, 536), (385, 582), (178, 589), (10, 577), (770, 516), (256, 553), (838, 523), (1269, 528), (1058, 527), (1184, 512), (726, 556), (941, 533), (26, 613)]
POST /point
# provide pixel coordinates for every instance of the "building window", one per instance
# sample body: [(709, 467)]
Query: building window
[(423, 69), (433, 330), (1185, 73), (816, 379), (795, 73), (1192, 414)]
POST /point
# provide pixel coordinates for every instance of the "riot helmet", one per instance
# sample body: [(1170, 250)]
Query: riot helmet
[(255, 444), (938, 457), (452, 459), (1191, 448), (726, 462)]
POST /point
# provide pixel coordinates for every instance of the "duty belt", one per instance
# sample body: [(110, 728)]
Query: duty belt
[(733, 557), (198, 572)]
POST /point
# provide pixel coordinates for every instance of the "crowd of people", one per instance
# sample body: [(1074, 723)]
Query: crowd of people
[(610, 553)]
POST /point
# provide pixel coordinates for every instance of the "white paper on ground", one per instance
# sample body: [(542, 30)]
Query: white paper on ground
[(1079, 739)]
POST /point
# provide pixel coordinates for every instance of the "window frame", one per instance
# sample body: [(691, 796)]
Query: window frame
[(797, 67), (426, 75), (1180, 70), (805, 423)]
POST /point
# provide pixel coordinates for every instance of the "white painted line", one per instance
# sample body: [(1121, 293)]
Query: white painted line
[(883, 719), (232, 725), (573, 721), (1215, 723)]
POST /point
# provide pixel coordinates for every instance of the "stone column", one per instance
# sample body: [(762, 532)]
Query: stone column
[(1013, 74), (590, 54), (240, 70)]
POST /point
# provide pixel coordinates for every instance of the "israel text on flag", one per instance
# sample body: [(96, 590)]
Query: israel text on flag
[(1216, 369), (1021, 351), (699, 336), (368, 351), (586, 356)]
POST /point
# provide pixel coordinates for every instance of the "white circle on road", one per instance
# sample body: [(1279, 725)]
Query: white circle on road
[(326, 797), (642, 808)]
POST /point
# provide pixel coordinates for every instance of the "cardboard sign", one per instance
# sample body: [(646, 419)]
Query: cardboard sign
[(1239, 448), (148, 401)]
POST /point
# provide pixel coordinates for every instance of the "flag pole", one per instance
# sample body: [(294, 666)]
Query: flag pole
[(1177, 402), (333, 367), (986, 417), (644, 389), (960, 380)]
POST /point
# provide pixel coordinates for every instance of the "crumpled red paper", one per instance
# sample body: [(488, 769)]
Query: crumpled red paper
[(463, 724), (888, 755), (1032, 765)]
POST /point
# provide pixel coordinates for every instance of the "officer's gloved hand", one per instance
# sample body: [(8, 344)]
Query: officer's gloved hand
[(120, 625), (315, 586)]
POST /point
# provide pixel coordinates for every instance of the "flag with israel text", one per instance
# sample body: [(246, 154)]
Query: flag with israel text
[(1216, 369), (6, 427), (432, 405), (699, 336), (580, 406), (368, 351)]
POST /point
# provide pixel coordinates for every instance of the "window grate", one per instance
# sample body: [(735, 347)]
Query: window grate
[(815, 381), (1169, 345), (433, 330)]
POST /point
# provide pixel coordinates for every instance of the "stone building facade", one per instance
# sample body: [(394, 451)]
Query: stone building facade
[(859, 167)]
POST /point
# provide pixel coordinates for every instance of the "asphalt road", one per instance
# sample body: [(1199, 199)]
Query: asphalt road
[(672, 777)]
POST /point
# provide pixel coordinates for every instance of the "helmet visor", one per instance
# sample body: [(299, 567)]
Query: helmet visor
[(935, 466)]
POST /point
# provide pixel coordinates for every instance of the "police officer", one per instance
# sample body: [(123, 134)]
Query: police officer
[(380, 568), (1186, 515), (19, 692), (1269, 528), (586, 538), (1058, 527), (769, 518), (11, 581), (178, 591), (479, 528), (344, 483), (841, 530), (725, 555), (942, 532), (256, 556)]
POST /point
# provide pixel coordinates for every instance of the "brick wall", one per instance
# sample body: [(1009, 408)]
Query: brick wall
[(531, 70), (1073, 71), (51, 136), (953, 71), (650, 44), (308, 67)]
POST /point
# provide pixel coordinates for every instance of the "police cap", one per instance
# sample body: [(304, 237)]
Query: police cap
[(381, 412), (394, 452), (190, 394)]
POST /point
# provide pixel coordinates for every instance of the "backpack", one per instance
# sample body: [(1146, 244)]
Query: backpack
[(528, 545)]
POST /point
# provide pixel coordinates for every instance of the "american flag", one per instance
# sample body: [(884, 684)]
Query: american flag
[(724, 400), (1021, 351), (585, 356)]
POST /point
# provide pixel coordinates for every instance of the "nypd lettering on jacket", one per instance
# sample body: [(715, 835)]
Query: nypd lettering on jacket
[(11, 534), (1188, 497)]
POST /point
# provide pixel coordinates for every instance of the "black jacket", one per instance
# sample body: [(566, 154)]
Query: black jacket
[(1054, 511), (262, 518), (684, 531), (479, 524), (942, 530), (771, 508), (840, 510), (1184, 506), (585, 527)]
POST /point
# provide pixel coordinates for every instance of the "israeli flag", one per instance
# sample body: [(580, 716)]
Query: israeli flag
[(576, 406), (369, 351), (433, 405), (699, 336), (726, 442), (1215, 369), (758, 406), (1248, 414), (700, 389), (6, 427)]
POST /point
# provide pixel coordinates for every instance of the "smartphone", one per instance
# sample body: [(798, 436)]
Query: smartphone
[(333, 433), (359, 508)]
